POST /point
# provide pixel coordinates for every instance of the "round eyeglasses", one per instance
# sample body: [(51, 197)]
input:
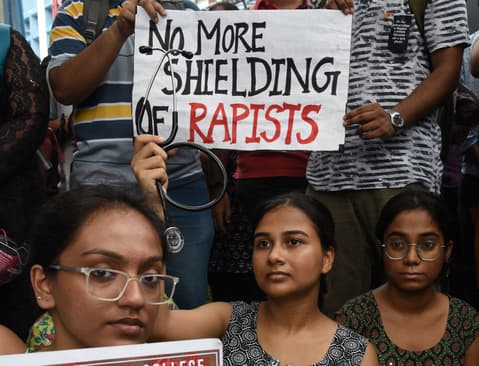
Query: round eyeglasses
[(110, 285), (426, 250)]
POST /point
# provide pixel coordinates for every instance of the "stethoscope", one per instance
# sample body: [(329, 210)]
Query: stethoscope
[(174, 238)]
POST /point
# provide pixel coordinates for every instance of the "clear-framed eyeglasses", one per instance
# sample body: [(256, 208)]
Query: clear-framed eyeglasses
[(427, 250), (110, 285)]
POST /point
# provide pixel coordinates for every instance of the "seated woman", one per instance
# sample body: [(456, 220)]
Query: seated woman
[(99, 269), (90, 235), (10, 343), (292, 249), (408, 319)]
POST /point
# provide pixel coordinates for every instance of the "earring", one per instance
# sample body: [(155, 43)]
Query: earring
[(39, 297)]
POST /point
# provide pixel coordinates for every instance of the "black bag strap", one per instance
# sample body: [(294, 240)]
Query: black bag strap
[(418, 8), (95, 13)]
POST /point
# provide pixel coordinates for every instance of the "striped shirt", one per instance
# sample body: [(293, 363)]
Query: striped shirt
[(103, 127), (379, 75)]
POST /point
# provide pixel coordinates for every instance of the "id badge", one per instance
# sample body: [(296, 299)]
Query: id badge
[(399, 34)]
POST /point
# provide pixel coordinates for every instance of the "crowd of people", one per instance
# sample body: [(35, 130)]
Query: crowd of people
[(322, 258)]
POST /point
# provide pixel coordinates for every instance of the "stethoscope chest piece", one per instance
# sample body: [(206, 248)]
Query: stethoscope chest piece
[(175, 240)]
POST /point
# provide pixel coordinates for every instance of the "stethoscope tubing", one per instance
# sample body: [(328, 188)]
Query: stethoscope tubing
[(168, 144)]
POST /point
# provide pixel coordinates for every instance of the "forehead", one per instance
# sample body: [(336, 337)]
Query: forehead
[(120, 230), (417, 221), (286, 218)]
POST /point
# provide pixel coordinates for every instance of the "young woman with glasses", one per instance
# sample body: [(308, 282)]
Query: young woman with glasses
[(99, 269), (408, 319)]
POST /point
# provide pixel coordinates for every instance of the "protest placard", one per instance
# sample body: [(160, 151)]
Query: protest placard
[(246, 80), (197, 352)]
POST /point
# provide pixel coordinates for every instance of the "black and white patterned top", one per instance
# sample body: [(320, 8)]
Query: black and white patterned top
[(379, 75), (241, 346)]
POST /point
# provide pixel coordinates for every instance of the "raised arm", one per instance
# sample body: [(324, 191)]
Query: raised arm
[(149, 165), (73, 81)]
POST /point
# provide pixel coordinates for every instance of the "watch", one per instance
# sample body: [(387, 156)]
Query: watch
[(396, 120)]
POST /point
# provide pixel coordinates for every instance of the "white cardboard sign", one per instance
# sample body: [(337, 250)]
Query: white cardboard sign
[(197, 352), (275, 80)]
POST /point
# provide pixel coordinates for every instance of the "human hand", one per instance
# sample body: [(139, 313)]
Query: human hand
[(373, 121), (149, 163), (126, 20), (346, 6)]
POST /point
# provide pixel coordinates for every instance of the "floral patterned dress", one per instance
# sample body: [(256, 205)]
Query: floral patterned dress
[(362, 315)]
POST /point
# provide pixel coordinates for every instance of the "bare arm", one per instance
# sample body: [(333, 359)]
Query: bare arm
[(474, 60), (374, 120), (370, 357), (207, 321), (446, 66), (10, 342), (77, 78), (472, 354)]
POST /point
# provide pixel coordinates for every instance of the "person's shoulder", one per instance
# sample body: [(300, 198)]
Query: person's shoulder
[(244, 313), (11, 343), (347, 334), (358, 312), (462, 307), (360, 302), (463, 321), (242, 307), (351, 340)]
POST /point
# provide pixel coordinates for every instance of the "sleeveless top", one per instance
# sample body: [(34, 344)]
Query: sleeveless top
[(241, 346), (362, 315)]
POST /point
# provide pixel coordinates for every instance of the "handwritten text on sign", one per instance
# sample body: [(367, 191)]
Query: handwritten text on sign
[(250, 79)]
